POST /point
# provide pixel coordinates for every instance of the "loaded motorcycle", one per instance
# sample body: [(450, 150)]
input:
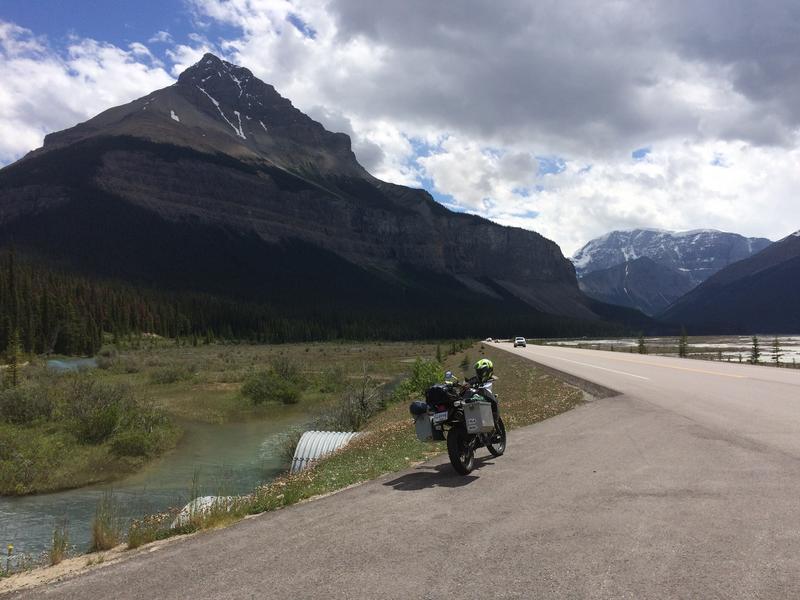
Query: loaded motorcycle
[(463, 414)]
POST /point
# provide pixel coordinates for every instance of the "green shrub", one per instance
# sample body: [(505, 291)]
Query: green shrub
[(132, 443), (286, 369), (107, 357), (26, 405), (96, 409), (167, 375), (424, 373), (333, 379), (268, 386), (282, 382), (355, 407)]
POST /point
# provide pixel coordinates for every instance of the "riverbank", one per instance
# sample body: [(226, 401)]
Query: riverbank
[(66, 431), (230, 443), (527, 395), (69, 428)]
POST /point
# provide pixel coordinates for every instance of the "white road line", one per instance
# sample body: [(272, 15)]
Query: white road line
[(601, 368)]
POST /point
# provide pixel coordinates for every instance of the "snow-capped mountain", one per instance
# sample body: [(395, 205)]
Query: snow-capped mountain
[(699, 253)]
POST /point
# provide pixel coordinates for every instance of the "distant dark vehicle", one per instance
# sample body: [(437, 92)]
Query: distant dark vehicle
[(463, 414), (520, 341)]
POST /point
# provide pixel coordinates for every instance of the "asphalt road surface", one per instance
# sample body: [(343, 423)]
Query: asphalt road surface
[(687, 485)]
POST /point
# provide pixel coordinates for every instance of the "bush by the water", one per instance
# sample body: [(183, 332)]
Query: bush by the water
[(107, 357), (26, 405), (356, 405), (282, 382), (69, 428), (424, 373)]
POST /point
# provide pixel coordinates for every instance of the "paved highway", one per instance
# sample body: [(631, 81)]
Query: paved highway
[(686, 485)]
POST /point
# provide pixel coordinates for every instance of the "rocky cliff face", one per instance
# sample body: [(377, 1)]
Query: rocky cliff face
[(641, 283), (222, 151)]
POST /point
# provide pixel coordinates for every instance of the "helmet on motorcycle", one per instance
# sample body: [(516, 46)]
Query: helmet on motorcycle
[(484, 369)]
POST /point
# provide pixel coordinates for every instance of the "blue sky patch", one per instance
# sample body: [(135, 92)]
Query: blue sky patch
[(551, 165), (640, 153), (719, 160), (63, 20), (302, 26)]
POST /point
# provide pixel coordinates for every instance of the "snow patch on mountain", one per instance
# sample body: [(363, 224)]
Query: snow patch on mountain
[(174, 116), (237, 130), (698, 252)]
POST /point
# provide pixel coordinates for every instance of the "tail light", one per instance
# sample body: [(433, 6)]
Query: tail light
[(441, 407)]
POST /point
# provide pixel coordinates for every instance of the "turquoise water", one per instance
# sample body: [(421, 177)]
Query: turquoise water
[(230, 459), (71, 364)]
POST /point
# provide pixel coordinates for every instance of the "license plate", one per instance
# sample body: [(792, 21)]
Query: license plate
[(440, 417)]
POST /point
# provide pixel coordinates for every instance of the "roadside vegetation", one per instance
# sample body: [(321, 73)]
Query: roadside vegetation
[(349, 386), (527, 395)]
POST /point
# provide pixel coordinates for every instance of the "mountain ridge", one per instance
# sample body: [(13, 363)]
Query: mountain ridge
[(758, 294), (699, 252), (223, 151)]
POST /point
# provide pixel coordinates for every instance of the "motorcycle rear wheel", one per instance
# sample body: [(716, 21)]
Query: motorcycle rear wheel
[(497, 445), (462, 456)]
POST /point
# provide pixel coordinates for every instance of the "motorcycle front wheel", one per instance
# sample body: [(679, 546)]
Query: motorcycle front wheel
[(462, 456), (497, 443)]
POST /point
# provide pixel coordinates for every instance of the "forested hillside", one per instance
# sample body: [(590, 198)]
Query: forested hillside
[(60, 311)]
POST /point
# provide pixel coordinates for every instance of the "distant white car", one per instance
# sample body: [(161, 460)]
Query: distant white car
[(488, 340), (520, 341)]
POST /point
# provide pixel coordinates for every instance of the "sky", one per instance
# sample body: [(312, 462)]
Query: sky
[(571, 118)]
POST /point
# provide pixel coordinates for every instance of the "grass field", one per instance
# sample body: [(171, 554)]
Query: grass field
[(204, 383)]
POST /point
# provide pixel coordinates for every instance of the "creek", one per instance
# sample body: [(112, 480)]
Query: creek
[(228, 459)]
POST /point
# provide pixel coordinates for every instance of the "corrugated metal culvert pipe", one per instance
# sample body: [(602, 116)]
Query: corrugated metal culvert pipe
[(313, 445)]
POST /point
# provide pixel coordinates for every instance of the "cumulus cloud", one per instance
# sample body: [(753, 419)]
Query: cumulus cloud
[(44, 90), (161, 37), (467, 98)]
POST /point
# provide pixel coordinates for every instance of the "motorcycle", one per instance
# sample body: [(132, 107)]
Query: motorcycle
[(461, 413)]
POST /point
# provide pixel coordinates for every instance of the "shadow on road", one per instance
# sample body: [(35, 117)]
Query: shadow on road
[(435, 476)]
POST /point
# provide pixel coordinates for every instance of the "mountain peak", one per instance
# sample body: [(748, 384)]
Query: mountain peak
[(211, 66), (219, 107), (699, 252)]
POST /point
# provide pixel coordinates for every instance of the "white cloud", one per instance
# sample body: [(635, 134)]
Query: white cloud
[(712, 91), (731, 186), (44, 90), (161, 37)]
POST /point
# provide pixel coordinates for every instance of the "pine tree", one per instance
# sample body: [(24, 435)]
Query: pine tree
[(683, 344), (641, 345), (11, 376), (438, 354), (776, 351), (755, 351)]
